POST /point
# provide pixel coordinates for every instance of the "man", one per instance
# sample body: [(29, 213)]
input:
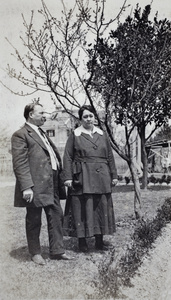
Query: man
[(36, 164)]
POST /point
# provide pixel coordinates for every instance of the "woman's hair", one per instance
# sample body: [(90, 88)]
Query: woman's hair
[(28, 108), (85, 107)]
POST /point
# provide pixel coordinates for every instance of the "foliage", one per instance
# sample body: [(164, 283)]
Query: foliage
[(133, 67), (127, 179), (153, 179), (113, 275), (56, 58), (120, 178), (163, 179)]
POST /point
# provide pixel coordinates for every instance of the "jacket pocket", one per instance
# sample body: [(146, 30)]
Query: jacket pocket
[(77, 180)]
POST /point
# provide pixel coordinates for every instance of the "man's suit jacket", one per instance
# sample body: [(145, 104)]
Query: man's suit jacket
[(32, 167)]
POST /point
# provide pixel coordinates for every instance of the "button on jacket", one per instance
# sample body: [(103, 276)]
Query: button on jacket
[(92, 160), (32, 167)]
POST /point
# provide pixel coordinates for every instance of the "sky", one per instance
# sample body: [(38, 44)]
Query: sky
[(11, 27)]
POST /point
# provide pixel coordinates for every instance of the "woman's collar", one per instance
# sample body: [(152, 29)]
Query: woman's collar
[(79, 130)]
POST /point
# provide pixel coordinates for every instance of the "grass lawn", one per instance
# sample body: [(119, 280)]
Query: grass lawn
[(22, 279)]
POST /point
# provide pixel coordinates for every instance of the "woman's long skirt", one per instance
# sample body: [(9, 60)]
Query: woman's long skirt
[(89, 214)]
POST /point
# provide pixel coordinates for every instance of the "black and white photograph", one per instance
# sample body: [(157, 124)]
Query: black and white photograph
[(85, 150)]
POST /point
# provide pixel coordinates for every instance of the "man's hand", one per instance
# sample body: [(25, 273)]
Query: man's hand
[(28, 195)]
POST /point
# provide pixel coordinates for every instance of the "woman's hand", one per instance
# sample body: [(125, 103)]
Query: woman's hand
[(68, 183), (114, 182)]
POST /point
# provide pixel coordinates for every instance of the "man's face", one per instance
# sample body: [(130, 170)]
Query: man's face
[(37, 116)]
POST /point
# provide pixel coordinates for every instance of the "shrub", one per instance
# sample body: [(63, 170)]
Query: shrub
[(120, 178), (127, 179), (164, 178), (107, 283), (113, 273), (168, 179), (153, 179)]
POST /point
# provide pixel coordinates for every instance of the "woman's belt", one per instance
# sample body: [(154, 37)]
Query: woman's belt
[(91, 159)]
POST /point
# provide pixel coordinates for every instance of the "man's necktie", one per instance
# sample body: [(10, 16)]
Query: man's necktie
[(41, 132), (53, 157)]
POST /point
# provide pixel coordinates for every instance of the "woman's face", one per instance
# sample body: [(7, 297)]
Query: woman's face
[(88, 119)]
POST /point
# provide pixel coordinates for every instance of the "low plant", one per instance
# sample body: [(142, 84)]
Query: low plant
[(163, 179), (127, 179), (152, 179), (168, 179), (120, 177), (112, 272)]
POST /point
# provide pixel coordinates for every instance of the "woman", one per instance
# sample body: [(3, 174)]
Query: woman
[(89, 173)]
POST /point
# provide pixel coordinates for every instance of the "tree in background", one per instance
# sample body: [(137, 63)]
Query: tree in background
[(56, 54), (132, 73), (56, 59)]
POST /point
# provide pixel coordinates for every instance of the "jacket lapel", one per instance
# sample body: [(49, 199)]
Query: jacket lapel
[(95, 139), (35, 136)]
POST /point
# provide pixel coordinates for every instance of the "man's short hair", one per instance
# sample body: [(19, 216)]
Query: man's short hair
[(30, 107)]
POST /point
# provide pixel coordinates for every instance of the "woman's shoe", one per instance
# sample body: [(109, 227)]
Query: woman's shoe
[(82, 245), (99, 244), (102, 247)]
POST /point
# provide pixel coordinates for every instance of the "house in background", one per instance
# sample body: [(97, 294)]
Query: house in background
[(59, 125), (57, 129), (159, 156)]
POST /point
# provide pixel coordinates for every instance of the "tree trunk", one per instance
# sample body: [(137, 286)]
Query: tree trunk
[(137, 195), (144, 160), (133, 170)]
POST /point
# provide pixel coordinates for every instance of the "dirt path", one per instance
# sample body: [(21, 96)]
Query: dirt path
[(153, 281)]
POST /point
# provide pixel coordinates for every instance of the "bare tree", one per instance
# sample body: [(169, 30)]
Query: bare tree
[(56, 54), (56, 62)]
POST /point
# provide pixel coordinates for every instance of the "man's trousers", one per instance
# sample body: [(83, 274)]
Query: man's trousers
[(54, 216)]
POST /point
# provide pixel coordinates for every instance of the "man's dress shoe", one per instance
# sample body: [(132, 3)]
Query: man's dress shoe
[(38, 259), (61, 257)]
